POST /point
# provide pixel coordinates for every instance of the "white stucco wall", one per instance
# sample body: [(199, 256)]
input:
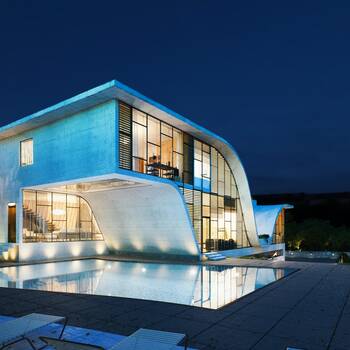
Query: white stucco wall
[(150, 219), (79, 146)]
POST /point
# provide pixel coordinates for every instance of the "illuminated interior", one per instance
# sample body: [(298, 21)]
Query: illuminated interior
[(278, 234), (151, 146), (57, 217)]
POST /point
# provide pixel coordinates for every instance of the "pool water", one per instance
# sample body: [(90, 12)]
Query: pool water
[(205, 286)]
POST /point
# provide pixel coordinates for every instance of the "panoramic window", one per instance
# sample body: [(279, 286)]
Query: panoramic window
[(139, 150), (57, 217), (26, 150), (204, 176)]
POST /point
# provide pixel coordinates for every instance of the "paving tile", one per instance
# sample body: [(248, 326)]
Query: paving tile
[(60, 298), (198, 346), (282, 299), (218, 337), (122, 329), (320, 309), (74, 305), (181, 325), (139, 318), (74, 319), (203, 315), (104, 312), (341, 341), (343, 326), (234, 307), (302, 331), (17, 308), (263, 310), (165, 308), (278, 343), (312, 320), (248, 322)]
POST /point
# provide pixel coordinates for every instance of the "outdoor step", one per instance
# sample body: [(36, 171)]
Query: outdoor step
[(215, 256), (211, 253)]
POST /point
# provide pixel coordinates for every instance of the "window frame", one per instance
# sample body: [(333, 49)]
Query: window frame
[(20, 152)]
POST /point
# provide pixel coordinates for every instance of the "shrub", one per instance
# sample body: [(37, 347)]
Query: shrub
[(318, 235)]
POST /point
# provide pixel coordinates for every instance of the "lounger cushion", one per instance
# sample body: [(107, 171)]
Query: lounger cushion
[(150, 339), (19, 327)]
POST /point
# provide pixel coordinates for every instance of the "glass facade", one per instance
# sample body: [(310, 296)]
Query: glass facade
[(57, 217), (153, 147)]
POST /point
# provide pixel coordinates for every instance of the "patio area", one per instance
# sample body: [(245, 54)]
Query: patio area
[(309, 309)]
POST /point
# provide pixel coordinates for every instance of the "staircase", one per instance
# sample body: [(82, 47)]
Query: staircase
[(214, 256), (36, 223)]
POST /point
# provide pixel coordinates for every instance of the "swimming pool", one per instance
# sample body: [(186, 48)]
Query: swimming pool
[(205, 286)]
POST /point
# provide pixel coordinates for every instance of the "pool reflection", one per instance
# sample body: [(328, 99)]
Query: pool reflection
[(198, 285)]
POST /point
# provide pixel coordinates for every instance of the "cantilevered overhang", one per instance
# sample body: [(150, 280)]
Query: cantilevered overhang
[(266, 217), (117, 90)]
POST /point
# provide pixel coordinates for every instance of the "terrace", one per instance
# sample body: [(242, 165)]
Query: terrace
[(308, 309)]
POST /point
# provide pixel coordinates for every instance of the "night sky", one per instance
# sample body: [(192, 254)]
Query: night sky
[(271, 77)]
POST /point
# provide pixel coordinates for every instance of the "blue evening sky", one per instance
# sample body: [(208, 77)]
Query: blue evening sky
[(272, 77)]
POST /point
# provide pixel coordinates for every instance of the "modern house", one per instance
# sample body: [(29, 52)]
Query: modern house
[(111, 171)]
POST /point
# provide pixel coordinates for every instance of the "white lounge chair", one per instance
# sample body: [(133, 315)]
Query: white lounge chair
[(16, 330), (142, 339), (150, 339), (61, 344)]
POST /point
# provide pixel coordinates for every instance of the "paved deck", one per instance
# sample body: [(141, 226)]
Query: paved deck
[(309, 309)]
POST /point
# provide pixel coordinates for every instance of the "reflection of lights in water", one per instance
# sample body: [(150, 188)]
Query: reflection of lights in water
[(193, 271), (177, 284)]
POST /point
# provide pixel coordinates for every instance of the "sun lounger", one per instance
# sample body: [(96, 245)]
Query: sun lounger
[(142, 339), (61, 344), (150, 339), (16, 330)]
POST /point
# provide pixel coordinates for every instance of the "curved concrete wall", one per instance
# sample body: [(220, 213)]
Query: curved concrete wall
[(150, 219), (244, 191), (266, 217)]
